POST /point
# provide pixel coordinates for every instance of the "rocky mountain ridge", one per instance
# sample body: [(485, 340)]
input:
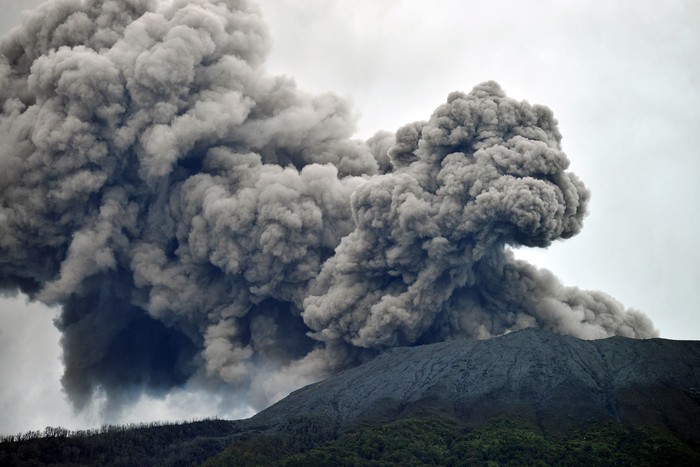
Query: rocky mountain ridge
[(556, 381)]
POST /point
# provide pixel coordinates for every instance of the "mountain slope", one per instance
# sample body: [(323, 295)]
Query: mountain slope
[(557, 382), (527, 397)]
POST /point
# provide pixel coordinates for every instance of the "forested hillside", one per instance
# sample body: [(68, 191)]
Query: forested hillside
[(155, 444), (445, 441), (418, 440)]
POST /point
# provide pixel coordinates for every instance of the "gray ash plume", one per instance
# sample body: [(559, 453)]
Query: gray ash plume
[(201, 220)]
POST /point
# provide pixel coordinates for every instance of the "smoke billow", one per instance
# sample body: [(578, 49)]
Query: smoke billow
[(201, 220)]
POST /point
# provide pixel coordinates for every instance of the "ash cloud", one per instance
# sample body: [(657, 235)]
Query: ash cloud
[(200, 220)]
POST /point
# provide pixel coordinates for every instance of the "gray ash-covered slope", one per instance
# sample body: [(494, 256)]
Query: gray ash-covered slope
[(556, 381)]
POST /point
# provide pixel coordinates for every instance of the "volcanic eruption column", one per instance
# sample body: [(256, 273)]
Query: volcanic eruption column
[(199, 220)]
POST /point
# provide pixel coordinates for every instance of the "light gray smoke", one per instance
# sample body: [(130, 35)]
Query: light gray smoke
[(200, 219)]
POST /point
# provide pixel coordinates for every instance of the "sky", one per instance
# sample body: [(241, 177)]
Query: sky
[(622, 79)]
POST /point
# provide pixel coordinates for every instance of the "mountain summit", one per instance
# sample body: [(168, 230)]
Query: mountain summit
[(555, 381)]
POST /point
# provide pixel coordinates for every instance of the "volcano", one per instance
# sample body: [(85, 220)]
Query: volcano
[(523, 397), (557, 382)]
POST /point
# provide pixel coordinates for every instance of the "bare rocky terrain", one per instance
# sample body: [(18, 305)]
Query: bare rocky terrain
[(558, 382)]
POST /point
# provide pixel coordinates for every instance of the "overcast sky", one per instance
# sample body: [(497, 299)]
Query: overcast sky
[(623, 79)]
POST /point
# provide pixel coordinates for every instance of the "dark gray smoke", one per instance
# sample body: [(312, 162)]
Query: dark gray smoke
[(201, 220)]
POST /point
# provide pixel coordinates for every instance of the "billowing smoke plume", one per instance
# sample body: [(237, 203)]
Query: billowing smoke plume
[(199, 219)]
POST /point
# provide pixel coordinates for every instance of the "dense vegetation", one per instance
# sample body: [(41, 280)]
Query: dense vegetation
[(135, 445), (442, 441), (310, 441)]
